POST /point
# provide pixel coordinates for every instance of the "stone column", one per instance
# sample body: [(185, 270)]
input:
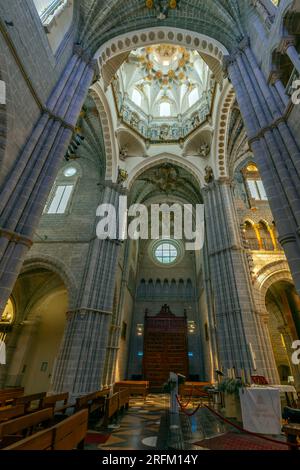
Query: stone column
[(295, 370), (238, 323), (115, 333), (287, 47), (275, 149), (18, 348), (25, 191), (275, 81), (209, 295), (81, 360)]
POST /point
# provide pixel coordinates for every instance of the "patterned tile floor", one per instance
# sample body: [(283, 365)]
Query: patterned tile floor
[(137, 429), (145, 426)]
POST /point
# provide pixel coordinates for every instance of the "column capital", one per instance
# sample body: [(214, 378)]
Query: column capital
[(16, 237), (87, 57), (285, 43), (274, 76), (116, 186), (222, 181)]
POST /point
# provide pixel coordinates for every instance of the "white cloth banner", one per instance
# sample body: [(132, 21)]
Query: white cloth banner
[(261, 410)]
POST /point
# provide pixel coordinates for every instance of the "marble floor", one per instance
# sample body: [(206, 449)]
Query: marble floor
[(147, 426), (136, 429)]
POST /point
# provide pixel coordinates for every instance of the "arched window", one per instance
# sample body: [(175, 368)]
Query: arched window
[(193, 97), (136, 97), (254, 183), (61, 193), (251, 236), (165, 109), (266, 239), (45, 8)]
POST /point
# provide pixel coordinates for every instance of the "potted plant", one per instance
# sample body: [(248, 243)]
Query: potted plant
[(231, 387)]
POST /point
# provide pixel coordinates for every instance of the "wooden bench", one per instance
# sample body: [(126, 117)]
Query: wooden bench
[(194, 389), (123, 399), (292, 432), (67, 435), (41, 440), (135, 387), (58, 402), (71, 432), (8, 395), (18, 428), (111, 407), (29, 400), (92, 401), (10, 412)]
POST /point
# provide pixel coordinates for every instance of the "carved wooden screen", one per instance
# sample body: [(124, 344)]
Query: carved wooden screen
[(165, 347)]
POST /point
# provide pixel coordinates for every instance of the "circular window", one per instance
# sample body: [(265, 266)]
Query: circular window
[(166, 253), (70, 171)]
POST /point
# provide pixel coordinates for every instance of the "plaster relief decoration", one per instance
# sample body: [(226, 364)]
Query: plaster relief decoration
[(162, 7), (165, 177), (163, 92)]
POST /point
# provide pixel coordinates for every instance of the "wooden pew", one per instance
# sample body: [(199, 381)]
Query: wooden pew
[(71, 433), (42, 440), (14, 430), (8, 395), (92, 401), (194, 389), (111, 407), (67, 435), (29, 400), (135, 387), (58, 402), (292, 432), (10, 412), (123, 399)]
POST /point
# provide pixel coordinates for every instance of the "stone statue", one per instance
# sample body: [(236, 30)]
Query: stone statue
[(123, 154), (204, 150), (209, 174), (122, 176), (164, 132)]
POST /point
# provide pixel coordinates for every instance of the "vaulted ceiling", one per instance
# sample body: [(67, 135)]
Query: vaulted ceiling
[(221, 19)]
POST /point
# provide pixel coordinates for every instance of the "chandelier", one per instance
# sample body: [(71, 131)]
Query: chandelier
[(162, 7)]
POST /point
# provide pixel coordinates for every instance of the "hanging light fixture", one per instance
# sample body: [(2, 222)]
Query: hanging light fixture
[(162, 7)]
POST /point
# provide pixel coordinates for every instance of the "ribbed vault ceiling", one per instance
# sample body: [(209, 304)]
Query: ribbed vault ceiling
[(220, 19)]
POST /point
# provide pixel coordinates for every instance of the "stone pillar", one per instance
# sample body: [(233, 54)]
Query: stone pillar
[(295, 369), (210, 368), (25, 191), (294, 304), (115, 333), (275, 81), (276, 151), (287, 47), (81, 360), (239, 326), (18, 349)]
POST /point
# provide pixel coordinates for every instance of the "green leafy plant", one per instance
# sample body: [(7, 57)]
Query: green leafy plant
[(231, 386)]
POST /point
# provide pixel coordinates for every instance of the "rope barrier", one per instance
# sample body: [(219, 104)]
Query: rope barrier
[(236, 426), (189, 400), (289, 444), (183, 409)]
